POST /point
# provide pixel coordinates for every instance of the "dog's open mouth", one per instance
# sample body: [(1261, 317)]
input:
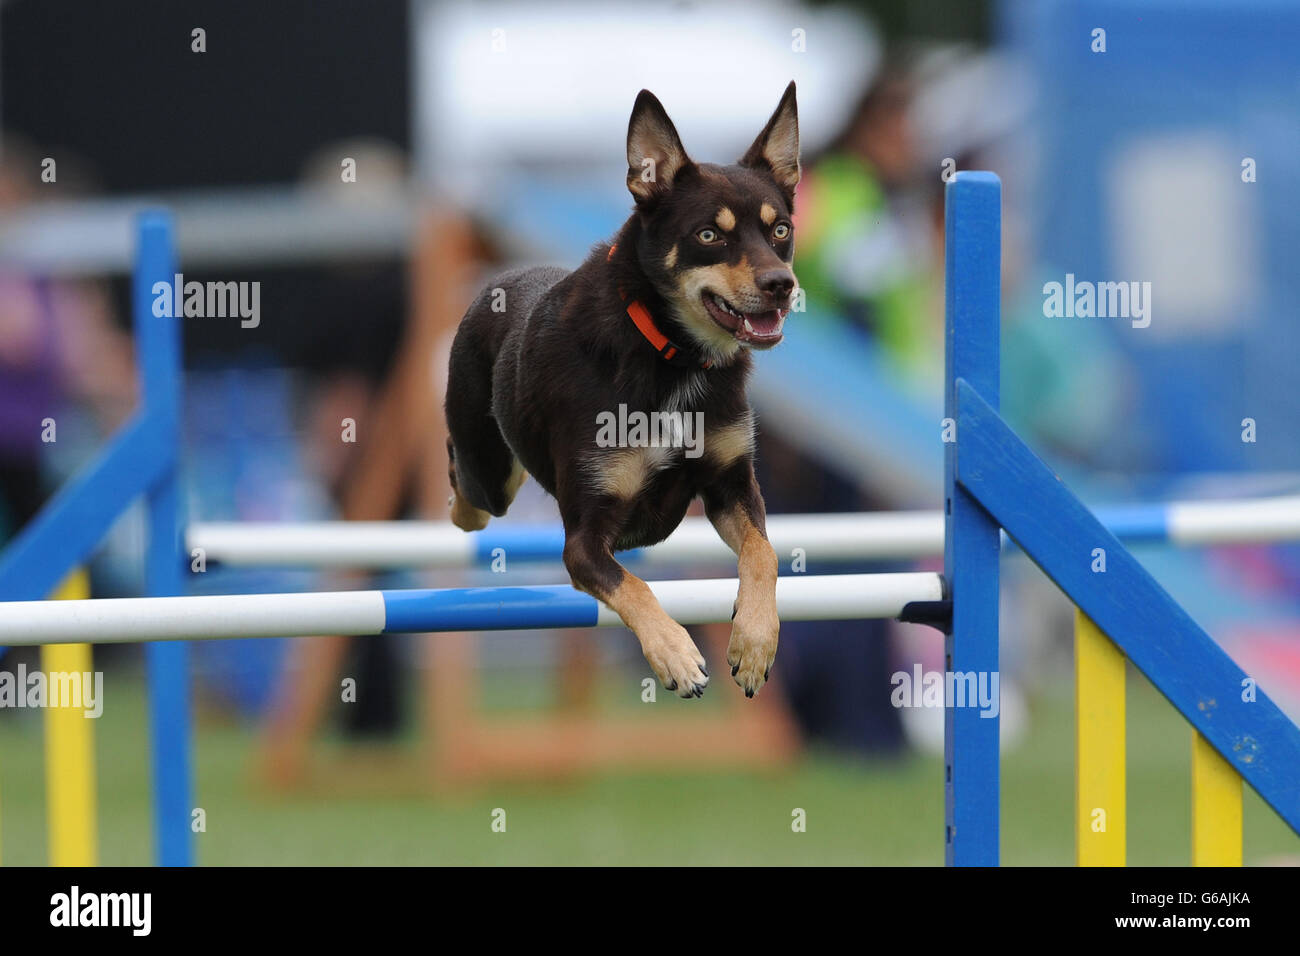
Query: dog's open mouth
[(756, 329)]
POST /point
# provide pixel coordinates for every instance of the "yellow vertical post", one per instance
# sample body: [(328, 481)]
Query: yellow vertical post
[(1216, 807), (1099, 794), (69, 748)]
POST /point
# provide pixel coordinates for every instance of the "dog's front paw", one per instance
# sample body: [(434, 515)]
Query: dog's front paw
[(752, 648), (674, 658)]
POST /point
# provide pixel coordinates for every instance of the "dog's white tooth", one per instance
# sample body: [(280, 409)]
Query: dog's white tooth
[(748, 327)]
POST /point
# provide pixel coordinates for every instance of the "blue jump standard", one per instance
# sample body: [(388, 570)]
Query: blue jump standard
[(972, 539)]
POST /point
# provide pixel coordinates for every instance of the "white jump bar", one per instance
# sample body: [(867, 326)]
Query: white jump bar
[(439, 544), (898, 535), (126, 620)]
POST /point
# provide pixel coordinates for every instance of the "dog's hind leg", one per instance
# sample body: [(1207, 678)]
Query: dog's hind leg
[(463, 514), (485, 475)]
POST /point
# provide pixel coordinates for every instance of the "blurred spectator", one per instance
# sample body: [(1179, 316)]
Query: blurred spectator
[(864, 239), (58, 345)]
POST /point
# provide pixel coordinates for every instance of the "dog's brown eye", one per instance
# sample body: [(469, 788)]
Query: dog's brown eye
[(782, 231), (707, 236)]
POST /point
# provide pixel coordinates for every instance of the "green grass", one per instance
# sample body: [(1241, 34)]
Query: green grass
[(858, 812)]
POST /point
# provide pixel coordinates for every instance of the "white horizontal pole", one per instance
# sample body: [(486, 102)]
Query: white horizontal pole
[(126, 620), (440, 544), (829, 537), (199, 617), (1238, 522), (830, 597), (897, 535), (335, 544), (218, 228)]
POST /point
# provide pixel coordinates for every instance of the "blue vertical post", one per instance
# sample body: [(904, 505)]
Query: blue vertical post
[(167, 663), (972, 264)]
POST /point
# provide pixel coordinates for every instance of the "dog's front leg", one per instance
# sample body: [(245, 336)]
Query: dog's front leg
[(671, 653), (735, 507)]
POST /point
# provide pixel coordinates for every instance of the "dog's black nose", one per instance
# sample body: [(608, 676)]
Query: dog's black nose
[(776, 283)]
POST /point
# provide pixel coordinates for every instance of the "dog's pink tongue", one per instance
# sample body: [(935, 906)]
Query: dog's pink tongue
[(765, 323)]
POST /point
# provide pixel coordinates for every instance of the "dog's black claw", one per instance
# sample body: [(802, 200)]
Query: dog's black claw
[(734, 668), (767, 673), (704, 670), (749, 692), (672, 686), (734, 607)]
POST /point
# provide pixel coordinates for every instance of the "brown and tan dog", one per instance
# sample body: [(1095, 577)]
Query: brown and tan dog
[(660, 322)]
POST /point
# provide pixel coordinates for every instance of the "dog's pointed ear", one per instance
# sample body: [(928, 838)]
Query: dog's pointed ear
[(655, 155), (777, 147)]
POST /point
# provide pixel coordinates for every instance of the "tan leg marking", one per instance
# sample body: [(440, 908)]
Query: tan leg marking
[(669, 650), (724, 445), (756, 626), (465, 516), (620, 473), (468, 518), (623, 473)]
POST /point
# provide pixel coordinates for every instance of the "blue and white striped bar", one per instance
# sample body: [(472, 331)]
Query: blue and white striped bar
[(127, 620), (898, 535)]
